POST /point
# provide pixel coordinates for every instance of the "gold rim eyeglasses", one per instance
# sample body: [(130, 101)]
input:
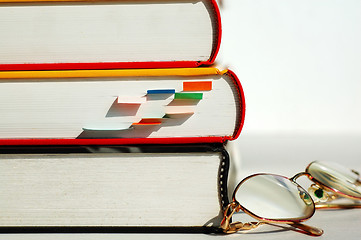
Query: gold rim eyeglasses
[(272, 198)]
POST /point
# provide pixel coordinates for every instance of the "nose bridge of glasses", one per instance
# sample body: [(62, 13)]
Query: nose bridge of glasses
[(295, 177)]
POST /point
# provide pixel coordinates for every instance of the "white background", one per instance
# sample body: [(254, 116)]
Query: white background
[(299, 63), (300, 66)]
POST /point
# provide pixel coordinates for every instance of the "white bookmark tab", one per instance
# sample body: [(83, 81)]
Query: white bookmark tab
[(179, 110), (131, 100), (113, 127)]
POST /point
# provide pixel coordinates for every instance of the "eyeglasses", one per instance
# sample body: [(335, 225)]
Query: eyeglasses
[(271, 198)]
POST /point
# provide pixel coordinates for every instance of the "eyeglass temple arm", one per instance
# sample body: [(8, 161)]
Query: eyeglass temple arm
[(314, 231), (337, 206), (229, 227)]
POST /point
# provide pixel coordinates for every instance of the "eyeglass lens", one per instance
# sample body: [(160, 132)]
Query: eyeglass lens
[(274, 197), (336, 177)]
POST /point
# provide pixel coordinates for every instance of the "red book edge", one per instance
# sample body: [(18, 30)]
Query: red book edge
[(242, 104), (133, 65)]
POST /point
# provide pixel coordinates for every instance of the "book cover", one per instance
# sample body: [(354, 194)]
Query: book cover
[(100, 107), (88, 34), (104, 187)]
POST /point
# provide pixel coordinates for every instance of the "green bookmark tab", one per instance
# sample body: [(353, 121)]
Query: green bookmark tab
[(187, 95)]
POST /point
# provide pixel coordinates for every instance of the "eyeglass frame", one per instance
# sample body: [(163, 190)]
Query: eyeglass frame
[(228, 227)]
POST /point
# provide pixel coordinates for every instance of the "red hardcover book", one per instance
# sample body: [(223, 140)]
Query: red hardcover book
[(95, 34), (129, 106)]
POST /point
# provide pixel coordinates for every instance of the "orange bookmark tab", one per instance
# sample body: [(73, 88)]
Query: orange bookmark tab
[(197, 86), (148, 122)]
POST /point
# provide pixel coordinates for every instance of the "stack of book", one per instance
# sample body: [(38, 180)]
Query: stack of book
[(111, 116)]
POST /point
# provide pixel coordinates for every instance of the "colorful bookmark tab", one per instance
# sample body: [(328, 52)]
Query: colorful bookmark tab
[(183, 95), (148, 122), (131, 100), (179, 110), (108, 128), (197, 86), (161, 91)]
